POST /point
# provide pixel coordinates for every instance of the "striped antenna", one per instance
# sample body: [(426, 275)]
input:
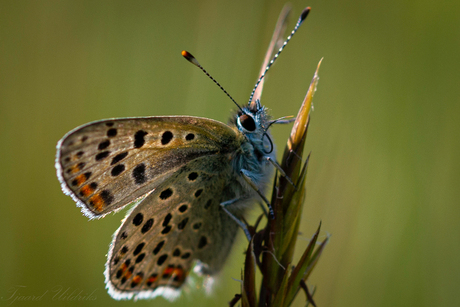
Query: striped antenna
[(189, 57), (299, 22)]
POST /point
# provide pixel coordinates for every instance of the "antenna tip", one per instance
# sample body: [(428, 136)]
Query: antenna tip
[(189, 57), (304, 13)]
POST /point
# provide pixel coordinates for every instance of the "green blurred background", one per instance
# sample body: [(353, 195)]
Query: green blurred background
[(384, 174)]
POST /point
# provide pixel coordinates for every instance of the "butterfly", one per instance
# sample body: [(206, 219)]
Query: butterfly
[(190, 180)]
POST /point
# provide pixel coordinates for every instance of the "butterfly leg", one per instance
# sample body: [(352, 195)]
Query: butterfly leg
[(237, 220), (253, 185), (282, 172)]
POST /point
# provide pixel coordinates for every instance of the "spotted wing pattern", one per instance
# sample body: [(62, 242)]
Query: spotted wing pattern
[(178, 223), (108, 164)]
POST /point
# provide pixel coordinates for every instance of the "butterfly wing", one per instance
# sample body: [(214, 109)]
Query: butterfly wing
[(108, 164), (178, 223)]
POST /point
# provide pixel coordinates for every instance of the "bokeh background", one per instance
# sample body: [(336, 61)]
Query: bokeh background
[(384, 174)]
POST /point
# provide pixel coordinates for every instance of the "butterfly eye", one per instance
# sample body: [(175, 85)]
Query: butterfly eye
[(247, 122)]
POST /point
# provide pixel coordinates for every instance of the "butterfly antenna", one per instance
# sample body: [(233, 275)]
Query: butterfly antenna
[(299, 22), (189, 57)]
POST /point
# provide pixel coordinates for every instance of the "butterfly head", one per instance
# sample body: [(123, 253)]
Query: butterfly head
[(253, 122), (252, 119)]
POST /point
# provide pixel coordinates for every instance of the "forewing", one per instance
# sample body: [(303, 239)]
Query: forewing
[(107, 164), (180, 222)]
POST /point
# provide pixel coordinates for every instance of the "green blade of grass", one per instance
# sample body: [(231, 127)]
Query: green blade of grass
[(298, 273), (249, 279)]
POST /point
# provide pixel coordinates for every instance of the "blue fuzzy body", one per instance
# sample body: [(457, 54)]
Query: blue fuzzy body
[(251, 158)]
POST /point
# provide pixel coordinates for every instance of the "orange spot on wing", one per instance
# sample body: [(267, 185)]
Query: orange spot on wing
[(75, 157), (152, 279), (123, 267), (128, 274), (137, 279), (176, 272), (97, 202), (86, 190), (75, 169), (168, 271), (80, 179), (179, 274)]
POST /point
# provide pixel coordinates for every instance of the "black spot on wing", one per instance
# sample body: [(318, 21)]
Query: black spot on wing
[(189, 136), (192, 176), (116, 260), (111, 132), (118, 158), (162, 259), (176, 252), (117, 170), (182, 223), (167, 219), (104, 145), (203, 242), (138, 249), (166, 230), (166, 137), (137, 220), (102, 155), (159, 246), (140, 258), (198, 192), (139, 174), (147, 226), (166, 194), (139, 138), (107, 197)]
